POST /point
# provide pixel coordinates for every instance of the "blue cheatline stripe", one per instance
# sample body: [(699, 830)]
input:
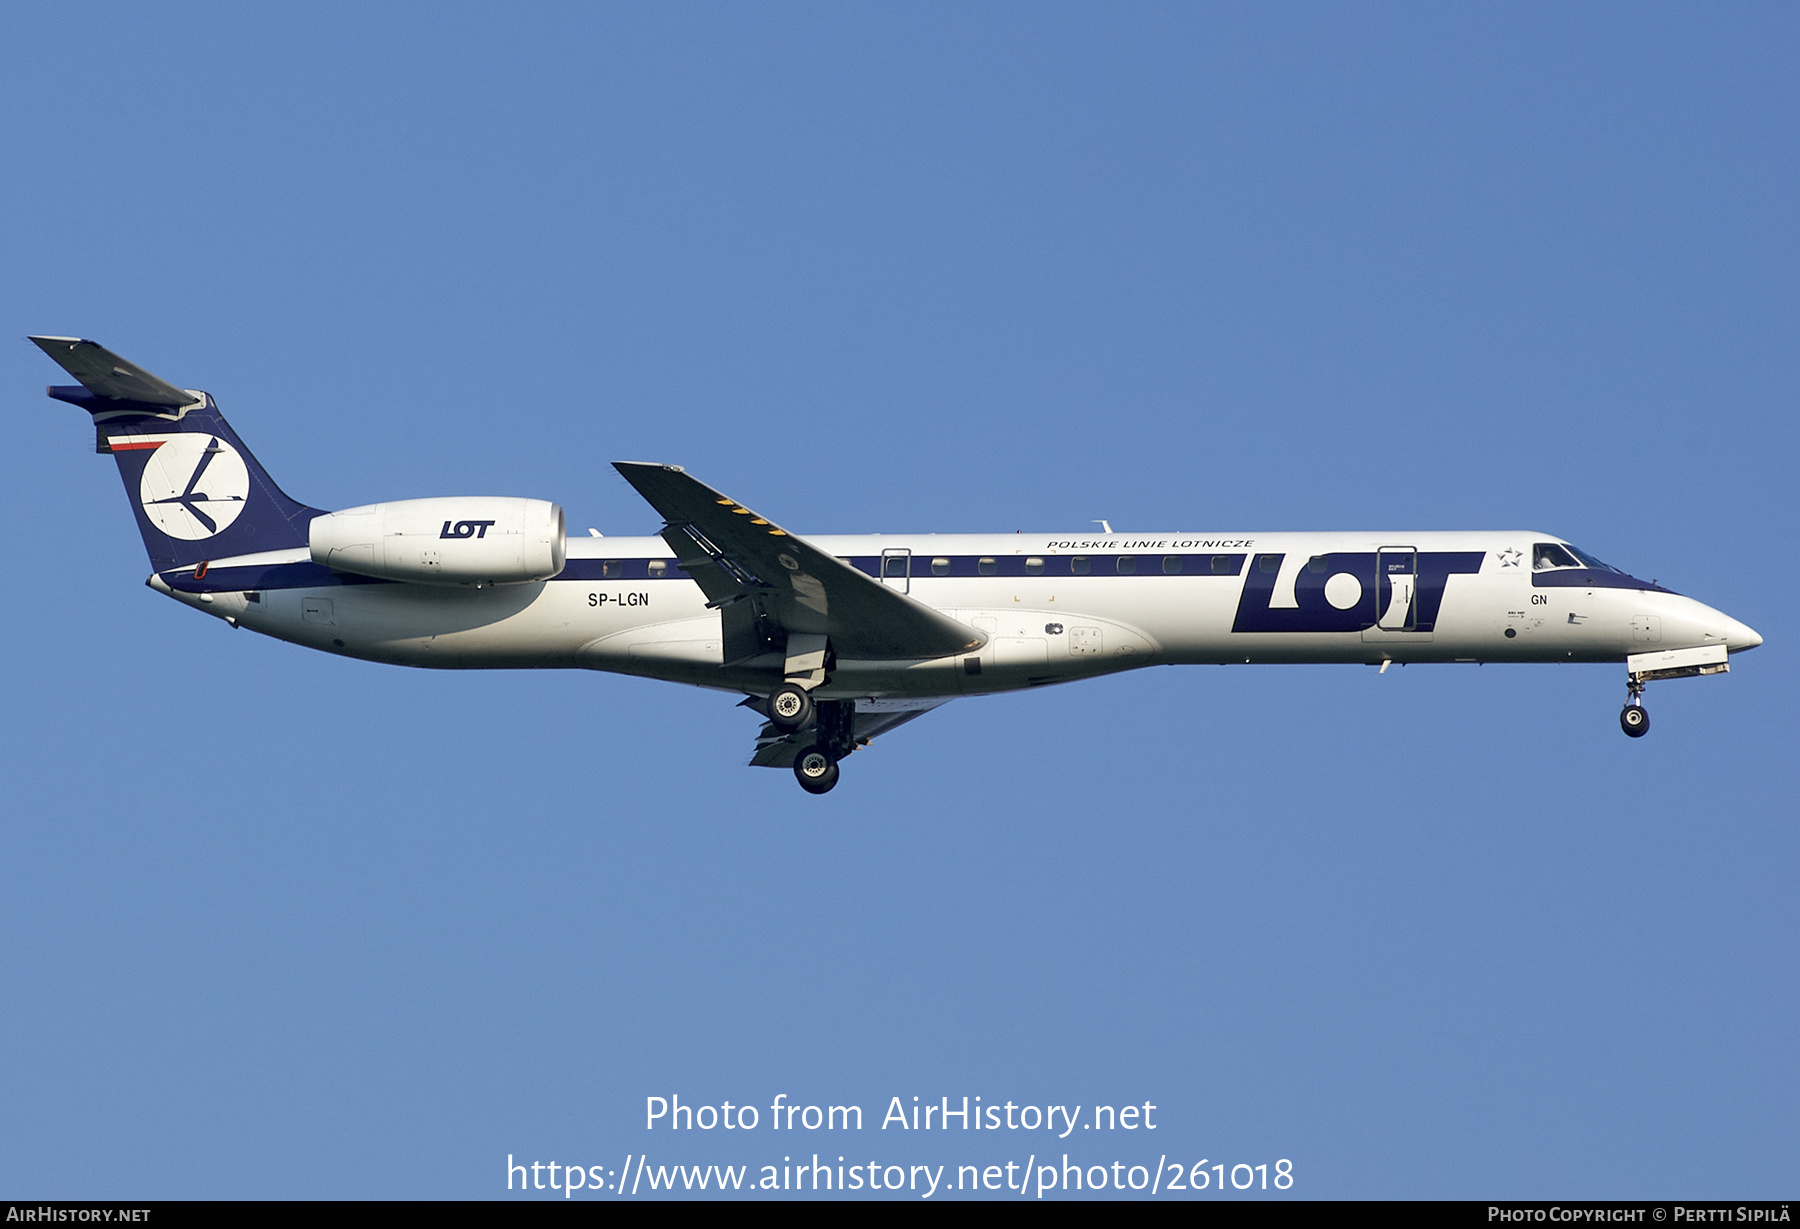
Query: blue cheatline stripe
[(304, 575), (620, 569), (309, 575), (924, 566)]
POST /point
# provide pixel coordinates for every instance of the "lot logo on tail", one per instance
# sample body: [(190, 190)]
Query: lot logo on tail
[(194, 484)]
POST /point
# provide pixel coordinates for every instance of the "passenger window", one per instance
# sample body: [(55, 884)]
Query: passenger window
[(612, 569), (1171, 565), (940, 567), (1078, 565), (1546, 555), (986, 566), (893, 565), (658, 569), (1268, 563), (1317, 564), (1034, 567), (1127, 564), (1224, 565)]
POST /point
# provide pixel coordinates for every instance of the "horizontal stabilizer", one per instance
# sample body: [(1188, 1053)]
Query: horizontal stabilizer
[(105, 374)]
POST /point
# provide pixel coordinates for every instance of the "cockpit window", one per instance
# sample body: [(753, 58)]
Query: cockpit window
[(1587, 558), (1547, 555)]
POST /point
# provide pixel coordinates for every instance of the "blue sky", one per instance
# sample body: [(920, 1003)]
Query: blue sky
[(276, 924)]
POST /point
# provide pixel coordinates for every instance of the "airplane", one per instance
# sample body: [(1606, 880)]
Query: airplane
[(835, 640)]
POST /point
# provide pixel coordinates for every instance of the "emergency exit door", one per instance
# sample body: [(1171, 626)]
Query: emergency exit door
[(896, 569)]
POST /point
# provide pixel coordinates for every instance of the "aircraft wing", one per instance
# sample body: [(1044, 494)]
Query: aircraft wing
[(107, 375), (777, 750), (734, 555)]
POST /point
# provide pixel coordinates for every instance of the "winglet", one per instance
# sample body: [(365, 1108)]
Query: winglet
[(105, 374)]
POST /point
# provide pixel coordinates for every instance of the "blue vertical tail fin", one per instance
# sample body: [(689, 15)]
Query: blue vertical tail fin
[(197, 492)]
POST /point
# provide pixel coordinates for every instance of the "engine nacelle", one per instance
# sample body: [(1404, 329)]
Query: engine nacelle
[(481, 540)]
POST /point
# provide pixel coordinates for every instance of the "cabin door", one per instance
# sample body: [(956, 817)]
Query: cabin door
[(1397, 588)]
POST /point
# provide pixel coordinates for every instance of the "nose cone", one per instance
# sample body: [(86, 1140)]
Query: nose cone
[(1691, 622), (1739, 636)]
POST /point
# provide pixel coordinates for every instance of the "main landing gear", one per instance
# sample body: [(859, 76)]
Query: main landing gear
[(790, 709), (1634, 718), (830, 731), (816, 770)]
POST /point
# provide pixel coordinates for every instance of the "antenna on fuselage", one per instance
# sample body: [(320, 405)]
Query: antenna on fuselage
[(1106, 525)]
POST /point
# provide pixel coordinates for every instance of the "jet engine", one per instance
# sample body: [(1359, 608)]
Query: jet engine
[(481, 540)]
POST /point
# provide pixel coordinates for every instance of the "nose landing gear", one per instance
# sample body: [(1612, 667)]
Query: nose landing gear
[(1634, 718), (1641, 668)]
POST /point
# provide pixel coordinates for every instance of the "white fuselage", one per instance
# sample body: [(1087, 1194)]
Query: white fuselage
[(1225, 598)]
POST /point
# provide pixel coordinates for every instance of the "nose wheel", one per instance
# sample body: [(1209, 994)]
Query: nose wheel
[(1634, 718)]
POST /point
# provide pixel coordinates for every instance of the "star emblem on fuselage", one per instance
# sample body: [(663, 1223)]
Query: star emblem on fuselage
[(1509, 558)]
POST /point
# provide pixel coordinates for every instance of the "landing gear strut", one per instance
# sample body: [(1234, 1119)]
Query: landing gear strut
[(1634, 718), (834, 737), (1641, 668)]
